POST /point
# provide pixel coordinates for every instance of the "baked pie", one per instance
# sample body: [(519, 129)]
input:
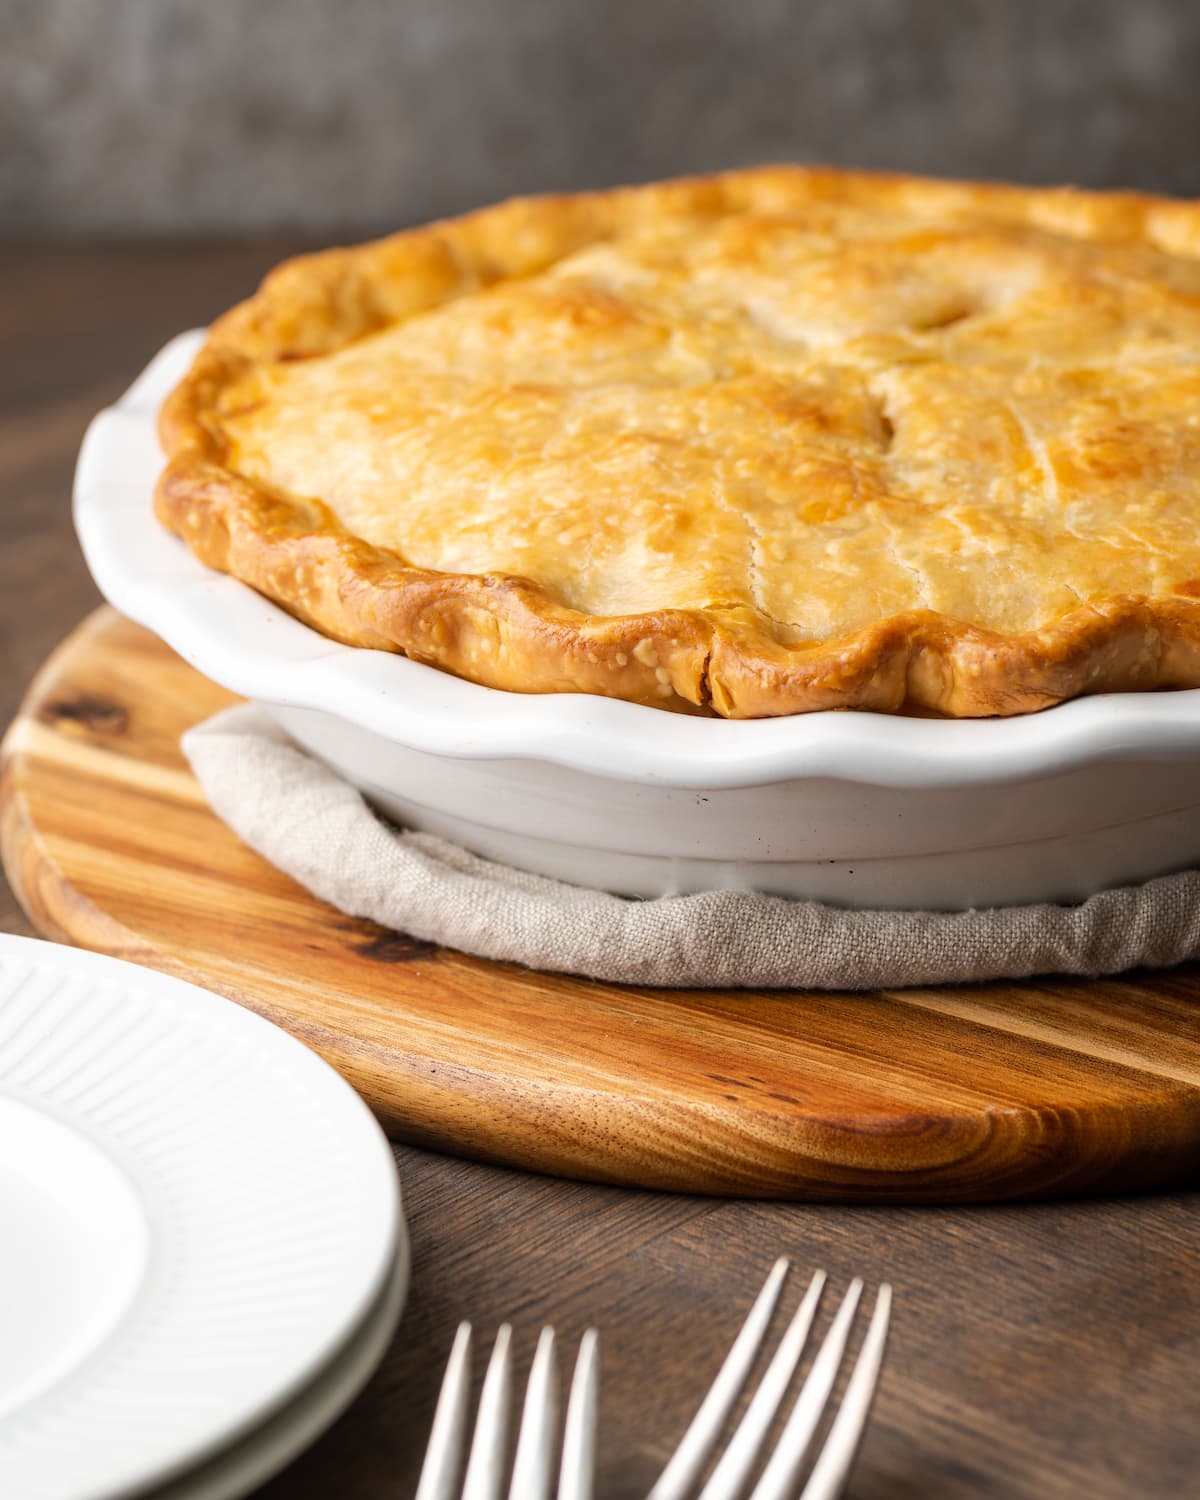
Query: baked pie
[(774, 441)]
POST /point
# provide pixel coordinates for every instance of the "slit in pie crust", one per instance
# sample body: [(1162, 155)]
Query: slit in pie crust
[(780, 440)]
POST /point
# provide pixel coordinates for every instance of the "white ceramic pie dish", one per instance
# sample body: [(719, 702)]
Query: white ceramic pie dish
[(852, 808)]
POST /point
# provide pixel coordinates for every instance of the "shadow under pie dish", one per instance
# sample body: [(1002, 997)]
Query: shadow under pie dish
[(767, 443)]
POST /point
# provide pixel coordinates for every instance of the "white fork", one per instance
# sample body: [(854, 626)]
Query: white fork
[(781, 1474), (533, 1465)]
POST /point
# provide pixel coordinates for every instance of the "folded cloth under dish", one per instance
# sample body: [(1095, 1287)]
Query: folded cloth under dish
[(317, 828)]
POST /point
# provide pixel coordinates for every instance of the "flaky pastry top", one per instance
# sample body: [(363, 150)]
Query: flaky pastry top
[(780, 440)]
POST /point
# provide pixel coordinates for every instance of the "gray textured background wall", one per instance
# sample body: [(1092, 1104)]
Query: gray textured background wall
[(345, 115)]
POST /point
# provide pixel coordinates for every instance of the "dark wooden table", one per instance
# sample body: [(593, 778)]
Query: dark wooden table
[(1043, 1352)]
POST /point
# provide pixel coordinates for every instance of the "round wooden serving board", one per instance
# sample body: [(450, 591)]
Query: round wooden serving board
[(973, 1092)]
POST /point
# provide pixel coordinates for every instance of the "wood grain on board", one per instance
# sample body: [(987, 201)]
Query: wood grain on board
[(956, 1093)]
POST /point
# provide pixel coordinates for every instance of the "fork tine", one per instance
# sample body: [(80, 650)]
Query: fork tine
[(701, 1437), (836, 1459), (746, 1443), (444, 1454), (539, 1416), (784, 1464), (577, 1470), (485, 1466)]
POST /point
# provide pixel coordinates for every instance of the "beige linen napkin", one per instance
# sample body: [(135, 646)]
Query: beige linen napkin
[(307, 821)]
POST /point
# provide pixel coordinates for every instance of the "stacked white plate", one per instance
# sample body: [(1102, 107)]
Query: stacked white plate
[(202, 1249)]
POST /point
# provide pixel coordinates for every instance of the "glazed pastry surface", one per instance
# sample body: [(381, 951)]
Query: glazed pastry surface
[(765, 443)]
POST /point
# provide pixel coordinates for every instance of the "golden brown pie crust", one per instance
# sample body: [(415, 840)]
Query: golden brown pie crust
[(768, 442)]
